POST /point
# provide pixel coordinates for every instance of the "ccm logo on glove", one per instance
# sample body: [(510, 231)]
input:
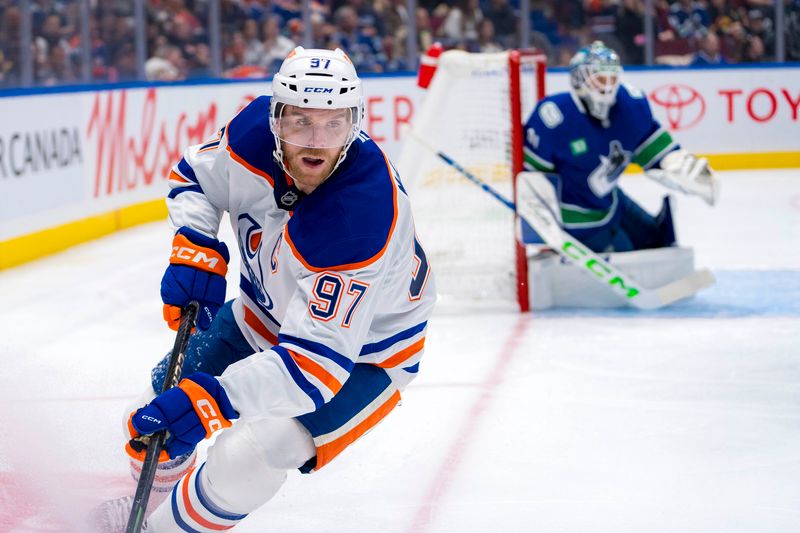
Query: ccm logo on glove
[(186, 253), (189, 413), (196, 272)]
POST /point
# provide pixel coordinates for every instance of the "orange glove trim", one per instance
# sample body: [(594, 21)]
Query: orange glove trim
[(172, 314), (185, 252), (205, 406), (140, 455)]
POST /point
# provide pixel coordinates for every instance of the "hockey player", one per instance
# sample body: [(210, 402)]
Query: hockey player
[(588, 136), (335, 296)]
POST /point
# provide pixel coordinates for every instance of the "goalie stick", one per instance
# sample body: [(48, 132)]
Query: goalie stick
[(534, 210), (156, 442)]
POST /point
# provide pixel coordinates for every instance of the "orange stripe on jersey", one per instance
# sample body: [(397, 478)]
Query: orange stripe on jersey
[(185, 252), (174, 176), (403, 355), (327, 452), (316, 370), (253, 321), (360, 264), (205, 406), (239, 159), (187, 503)]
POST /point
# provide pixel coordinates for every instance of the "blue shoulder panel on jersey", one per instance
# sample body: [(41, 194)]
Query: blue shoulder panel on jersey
[(346, 223), (639, 105), (249, 135)]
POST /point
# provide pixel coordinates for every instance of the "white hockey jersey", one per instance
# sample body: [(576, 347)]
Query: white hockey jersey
[(327, 280)]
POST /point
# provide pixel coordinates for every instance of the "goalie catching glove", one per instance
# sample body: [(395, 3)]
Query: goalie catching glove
[(684, 172), (196, 271), (190, 412)]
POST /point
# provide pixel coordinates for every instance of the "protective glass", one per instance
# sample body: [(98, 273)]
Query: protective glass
[(315, 128)]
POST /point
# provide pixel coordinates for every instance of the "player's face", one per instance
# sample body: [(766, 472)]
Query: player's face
[(311, 140), (604, 82)]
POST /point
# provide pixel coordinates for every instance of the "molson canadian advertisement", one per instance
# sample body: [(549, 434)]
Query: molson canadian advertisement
[(77, 165)]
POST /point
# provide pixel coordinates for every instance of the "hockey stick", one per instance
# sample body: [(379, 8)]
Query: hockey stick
[(156, 442), (536, 212)]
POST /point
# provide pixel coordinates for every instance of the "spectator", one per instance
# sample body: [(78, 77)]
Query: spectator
[(504, 21), (198, 65), (9, 47), (254, 48), (275, 47), (369, 23), (793, 31), (486, 42), (688, 19), (733, 41), (629, 26), (760, 26), (708, 54), (461, 24), (754, 51), (57, 68), (394, 16), (166, 65), (124, 65), (364, 51)]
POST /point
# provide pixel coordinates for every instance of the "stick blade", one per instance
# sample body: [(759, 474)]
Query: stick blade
[(685, 287)]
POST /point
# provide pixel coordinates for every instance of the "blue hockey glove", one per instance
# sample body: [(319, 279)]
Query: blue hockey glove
[(196, 271), (190, 412)]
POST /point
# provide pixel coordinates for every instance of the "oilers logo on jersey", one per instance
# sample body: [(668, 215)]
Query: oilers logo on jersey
[(250, 240)]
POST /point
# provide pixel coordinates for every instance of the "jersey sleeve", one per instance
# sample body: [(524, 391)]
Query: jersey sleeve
[(199, 185), (540, 133), (655, 140)]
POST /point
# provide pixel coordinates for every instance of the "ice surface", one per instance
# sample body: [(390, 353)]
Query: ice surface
[(685, 419)]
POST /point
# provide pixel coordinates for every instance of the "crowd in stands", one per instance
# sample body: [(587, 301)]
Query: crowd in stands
[(256, 35)]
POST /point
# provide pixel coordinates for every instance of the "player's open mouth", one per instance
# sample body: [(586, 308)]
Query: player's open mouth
[(312, 161)]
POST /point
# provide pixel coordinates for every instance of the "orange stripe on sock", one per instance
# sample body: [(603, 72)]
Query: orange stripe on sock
[(253, 321), (327, 452), (403, 355), (316, 370), (187, 503)]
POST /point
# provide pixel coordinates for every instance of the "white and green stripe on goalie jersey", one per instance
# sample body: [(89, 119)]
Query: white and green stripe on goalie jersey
[(650, 152)]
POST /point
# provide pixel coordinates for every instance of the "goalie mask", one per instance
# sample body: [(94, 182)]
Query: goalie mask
[(594, 74), (325, 83)]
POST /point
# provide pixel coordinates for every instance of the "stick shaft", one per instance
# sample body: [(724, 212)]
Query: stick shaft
[(156, 443)]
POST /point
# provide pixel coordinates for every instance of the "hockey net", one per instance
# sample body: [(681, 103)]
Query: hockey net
[(473, 112)]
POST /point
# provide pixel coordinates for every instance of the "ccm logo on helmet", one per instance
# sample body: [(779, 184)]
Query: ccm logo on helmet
[(194, 256), (323, 90)]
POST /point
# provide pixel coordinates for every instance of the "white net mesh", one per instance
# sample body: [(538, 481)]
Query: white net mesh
[(468, 235)]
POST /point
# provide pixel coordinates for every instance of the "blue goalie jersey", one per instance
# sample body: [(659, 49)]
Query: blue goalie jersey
[(588, 156)]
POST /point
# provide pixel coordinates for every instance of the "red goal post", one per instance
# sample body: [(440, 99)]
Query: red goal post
[(473, 111)]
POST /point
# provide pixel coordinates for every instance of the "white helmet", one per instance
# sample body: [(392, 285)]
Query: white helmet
[(317, 79), (594, 74)]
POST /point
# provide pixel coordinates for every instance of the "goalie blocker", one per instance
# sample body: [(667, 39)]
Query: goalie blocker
[(553, 280)]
